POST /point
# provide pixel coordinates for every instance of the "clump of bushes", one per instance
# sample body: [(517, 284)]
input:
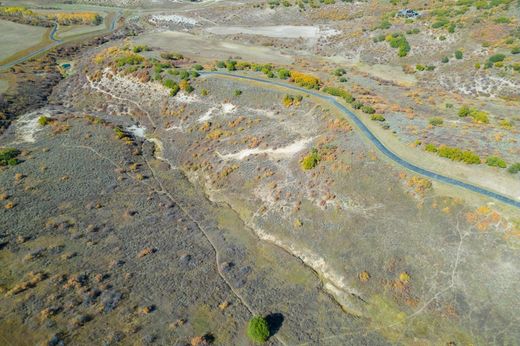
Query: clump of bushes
[(377, 117), (514, 168), (339, 72), (339, 92), (368, 109), (305, 80), (171, 56), (8, 156), (311, 160), (357, 104), (139, 49), (283, 73), (231, 65), (289, 100), (129, 59), (495, 161), (494, 59), (454, 154), (515, 50), (258, 329), (123, 135), (399, 41), (478, 116), (186, 86), (436, 121), (43, 120), (172, 85), (184, 75)]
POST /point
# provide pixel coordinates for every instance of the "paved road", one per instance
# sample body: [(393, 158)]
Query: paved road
[(55, 42), (52, 37), (376, 142)]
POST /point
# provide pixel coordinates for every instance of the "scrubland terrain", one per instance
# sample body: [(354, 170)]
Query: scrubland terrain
[(209, 162)]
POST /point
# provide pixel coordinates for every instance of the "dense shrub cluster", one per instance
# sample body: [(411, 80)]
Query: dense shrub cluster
[(290, 100), (368, 109), (399, 41), (495, 161), (454, 154), (305, 80), (377, 117), (129, 58), (8, 156), (172, 85), (478, 116), (171, 56), (339, 92), (141, 48), (283, 73)]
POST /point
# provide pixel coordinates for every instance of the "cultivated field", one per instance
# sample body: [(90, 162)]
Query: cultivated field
[(17, 38)]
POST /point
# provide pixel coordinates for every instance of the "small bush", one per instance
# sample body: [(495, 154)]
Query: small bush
[(139, 49), (283, 73), (231, 65), (368, 109), (445, 60), (220, 64), (198, 67), (339, 72), (185, 85), (357, 104), (258, 329), (514, 168), (458, 54), (496, 58), (377, 117), (430, 148), (495, 161), (8, 156), (184, 75), (43, 120), (515, 50), (420, 67), (238, 92), (436, 121), (310, 160)]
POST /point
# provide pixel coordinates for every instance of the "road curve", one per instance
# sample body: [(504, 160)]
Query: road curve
[(375, 141), (55, 42), (52, 37)]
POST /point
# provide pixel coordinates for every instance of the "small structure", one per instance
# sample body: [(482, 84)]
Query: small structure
[(408, 13)]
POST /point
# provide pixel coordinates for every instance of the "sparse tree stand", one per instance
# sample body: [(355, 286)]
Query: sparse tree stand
[(258, 329)]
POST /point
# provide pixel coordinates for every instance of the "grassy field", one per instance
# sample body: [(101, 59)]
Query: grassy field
[(3, 85), (16, 38)]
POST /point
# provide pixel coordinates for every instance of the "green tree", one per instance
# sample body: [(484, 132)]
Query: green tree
[(258, 329)]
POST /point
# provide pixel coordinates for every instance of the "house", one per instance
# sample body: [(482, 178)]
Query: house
[(408, 13)]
